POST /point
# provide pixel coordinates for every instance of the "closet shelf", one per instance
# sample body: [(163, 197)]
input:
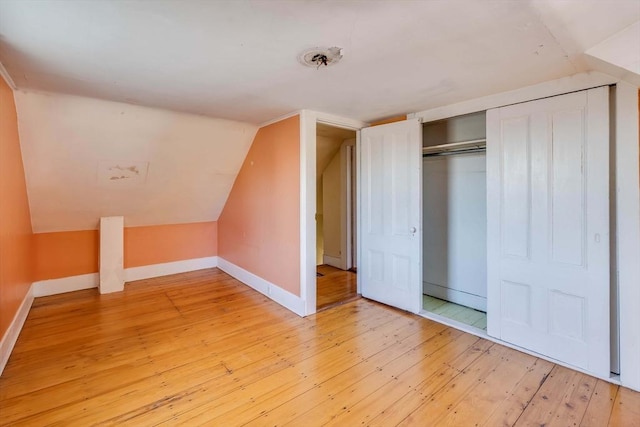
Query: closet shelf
[(471, 145)]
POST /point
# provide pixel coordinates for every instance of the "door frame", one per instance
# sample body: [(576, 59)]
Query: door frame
[(308, 121)]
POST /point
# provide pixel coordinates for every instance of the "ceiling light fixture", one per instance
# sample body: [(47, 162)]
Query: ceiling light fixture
[(318, 57)]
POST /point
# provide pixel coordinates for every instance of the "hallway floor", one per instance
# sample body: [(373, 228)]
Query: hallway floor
[(334, 286)]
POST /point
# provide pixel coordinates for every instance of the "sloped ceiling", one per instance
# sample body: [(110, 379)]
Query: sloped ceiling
[(86, 158), (238, 59), (140, 108)]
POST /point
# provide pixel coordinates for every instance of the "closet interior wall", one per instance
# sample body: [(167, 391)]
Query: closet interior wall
[(454, 210)]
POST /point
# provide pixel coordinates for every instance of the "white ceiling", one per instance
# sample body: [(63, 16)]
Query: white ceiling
[(238, 59), (103, 85)]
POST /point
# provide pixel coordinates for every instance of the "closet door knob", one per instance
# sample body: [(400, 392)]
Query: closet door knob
[(413, 230)]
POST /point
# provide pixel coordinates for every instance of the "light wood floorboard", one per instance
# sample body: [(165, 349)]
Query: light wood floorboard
[(334, 286), (201, 348)]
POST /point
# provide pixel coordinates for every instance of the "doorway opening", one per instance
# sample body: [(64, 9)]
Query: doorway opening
[(335, 216), (455, 219)]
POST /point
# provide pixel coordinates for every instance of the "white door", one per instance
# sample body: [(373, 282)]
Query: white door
[(548, 227), (391, 197)]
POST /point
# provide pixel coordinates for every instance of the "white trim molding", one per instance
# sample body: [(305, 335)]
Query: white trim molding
[(156, 270), (338, 121), (307, 210), (285, 298), (45, 288), (11, 335)]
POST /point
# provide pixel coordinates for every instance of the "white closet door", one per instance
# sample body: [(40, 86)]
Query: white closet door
[(390, 268), (548, 227)]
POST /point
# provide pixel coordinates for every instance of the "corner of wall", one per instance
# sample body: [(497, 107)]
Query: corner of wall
[(259, 228), (9, 338), (283, 297), (16, 236)]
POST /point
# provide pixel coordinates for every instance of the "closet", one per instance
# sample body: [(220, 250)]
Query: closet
[(514, 222), (455, 216)]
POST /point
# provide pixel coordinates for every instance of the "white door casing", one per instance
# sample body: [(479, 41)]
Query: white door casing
[(391, 199), (548, 227)]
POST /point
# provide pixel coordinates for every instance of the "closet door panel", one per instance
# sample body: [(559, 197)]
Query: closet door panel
[(548, 236), (567, 188), (516, 187)]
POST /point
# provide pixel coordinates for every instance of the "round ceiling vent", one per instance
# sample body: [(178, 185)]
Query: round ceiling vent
[(318, 57)]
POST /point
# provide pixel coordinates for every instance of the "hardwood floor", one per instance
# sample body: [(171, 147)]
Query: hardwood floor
[(201, 348), (334, 286)]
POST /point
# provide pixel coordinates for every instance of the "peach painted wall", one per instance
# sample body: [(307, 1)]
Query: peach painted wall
[(259, 228), (66, 253), (165, 243), (16, 263), (72, 253)]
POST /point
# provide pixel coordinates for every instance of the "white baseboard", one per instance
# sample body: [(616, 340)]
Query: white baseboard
[(87, 281), (167, 268), (45, 288), (455, 296), (333, 261), (11, 335), (285, 298)]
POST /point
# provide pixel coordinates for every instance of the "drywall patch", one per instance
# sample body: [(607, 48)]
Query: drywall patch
[(130, 173)]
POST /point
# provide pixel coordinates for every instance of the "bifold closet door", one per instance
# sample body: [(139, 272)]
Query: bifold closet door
[(390, 199), (548, 227)]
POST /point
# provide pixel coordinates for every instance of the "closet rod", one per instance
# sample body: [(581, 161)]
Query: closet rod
[(473, 144), (450, 153)]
